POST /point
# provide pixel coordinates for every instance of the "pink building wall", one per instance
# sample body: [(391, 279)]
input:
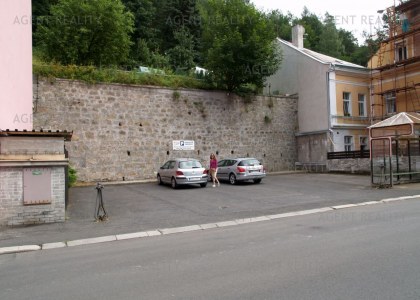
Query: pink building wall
[(15, 64)]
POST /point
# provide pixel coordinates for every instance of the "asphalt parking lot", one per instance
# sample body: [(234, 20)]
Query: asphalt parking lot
[(148, 206)]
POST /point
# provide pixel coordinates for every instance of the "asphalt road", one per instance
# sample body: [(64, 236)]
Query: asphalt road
[(146, 203), (368, 252), (148, 206)]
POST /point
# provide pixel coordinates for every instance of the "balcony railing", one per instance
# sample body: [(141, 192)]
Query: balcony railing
[(348, 154)]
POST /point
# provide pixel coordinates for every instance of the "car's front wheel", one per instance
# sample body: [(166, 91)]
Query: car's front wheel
[(204, 184), (232, 178), (174, 185), (257, 180)]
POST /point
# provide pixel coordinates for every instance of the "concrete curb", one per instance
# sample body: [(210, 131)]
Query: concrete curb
[(19, 249), (96, 240), (166, 231), (53, 245), (180, 229)]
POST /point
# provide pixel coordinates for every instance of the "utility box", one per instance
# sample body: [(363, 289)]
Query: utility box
[(37, 186)]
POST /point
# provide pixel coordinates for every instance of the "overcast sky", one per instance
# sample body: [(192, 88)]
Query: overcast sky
[(354, 15)]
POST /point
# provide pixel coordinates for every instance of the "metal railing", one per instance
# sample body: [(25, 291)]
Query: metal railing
[(348, 154)]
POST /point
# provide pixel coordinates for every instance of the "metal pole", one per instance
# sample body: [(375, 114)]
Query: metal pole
[(100, 212)]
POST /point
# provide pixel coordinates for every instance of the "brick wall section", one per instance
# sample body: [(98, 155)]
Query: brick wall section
[(125, 132), (12, 211)]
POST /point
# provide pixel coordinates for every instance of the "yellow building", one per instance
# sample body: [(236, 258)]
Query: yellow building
[(334, 100), (352, 111), (396, 65)]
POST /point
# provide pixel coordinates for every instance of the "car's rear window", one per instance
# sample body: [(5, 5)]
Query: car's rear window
[(249, 162), (190, 164)]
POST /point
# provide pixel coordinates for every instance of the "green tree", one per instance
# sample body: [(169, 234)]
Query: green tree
[(313, 29), (181, 57), (282, 24), (349, 42), (144, 12), (239, 43), (176, 16), (162, 29), (146, 57), (40, 9), (86, 32), (361, 55), (330, 42), (146, 35)]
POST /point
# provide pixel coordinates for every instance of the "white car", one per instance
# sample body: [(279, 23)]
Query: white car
[(240, 169), (180, 171)]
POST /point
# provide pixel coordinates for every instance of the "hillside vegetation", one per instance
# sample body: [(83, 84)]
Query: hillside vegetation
[(105, 40)]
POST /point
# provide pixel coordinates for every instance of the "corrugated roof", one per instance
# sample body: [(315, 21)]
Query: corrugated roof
[(322, 57), (41, 133), (330, 59), (399, 119)]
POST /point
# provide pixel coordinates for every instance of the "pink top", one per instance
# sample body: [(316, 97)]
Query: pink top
[(213, 163)]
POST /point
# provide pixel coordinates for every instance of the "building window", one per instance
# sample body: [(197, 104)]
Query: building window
[(346, 104), (362, 105), (348, 143), (363, 143), (390, 103), (401, 52)]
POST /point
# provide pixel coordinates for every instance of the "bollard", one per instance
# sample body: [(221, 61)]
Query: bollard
[(100, 212)]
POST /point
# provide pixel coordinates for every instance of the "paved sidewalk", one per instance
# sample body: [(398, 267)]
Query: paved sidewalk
[(147, 207)]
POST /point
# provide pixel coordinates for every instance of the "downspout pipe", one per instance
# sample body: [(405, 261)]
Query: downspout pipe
[(330, 131)]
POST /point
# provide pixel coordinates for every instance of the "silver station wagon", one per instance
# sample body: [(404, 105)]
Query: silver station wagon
[(180, 171), (240, 169)]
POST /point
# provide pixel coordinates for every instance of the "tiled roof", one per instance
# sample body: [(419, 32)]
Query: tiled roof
[(40, 133)]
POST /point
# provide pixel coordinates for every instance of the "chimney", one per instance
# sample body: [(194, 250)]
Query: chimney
[(297, 35)]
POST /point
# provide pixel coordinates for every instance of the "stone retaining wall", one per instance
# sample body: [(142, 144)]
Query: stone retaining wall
[(349, 165), (125, 132)]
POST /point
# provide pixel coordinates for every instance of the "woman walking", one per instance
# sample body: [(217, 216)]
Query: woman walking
[(213, 169)]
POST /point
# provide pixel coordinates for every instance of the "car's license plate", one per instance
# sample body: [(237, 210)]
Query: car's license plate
[(194, 178)]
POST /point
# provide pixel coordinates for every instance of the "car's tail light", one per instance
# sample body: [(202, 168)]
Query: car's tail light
[(205, 172), (263, 169), (179, 173), (241, 170)]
